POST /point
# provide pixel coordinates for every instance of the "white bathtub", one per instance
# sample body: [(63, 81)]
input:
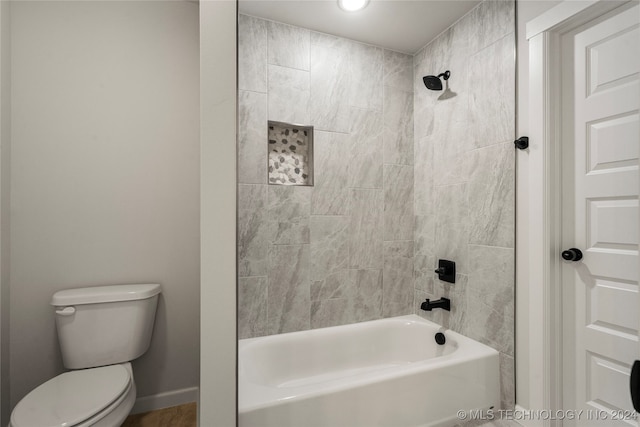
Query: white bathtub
[(387, 372)]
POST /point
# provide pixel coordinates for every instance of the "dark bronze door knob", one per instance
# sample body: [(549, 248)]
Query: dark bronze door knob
[(572, 254)]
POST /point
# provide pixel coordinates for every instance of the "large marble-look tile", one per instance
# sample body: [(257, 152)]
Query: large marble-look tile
[(492, 100), (252, 307), (396, 308), (365, 166), (252, 54), (456, 57), (288, 294), (365, 74), (507, 382), (397, 278), (424, 99), (423, 176), (253, 236), (451, 155), (491, 296), (451, 108), (252, 137), (398, 70), (366, 294), (491, 277), (424, 254), (329, 246), (461, 40), (492, 327), (423, 111), (288, 46), (329, 41), (492, 20), (331, 312), (288, 211), (329, 105), (435, 58), (332, 286), (398, 126), (492, 196), (449, 51), (437, 112), (398, 202), (451, 115), (365, 228), (331, 174), (422, 64), (288, 95), (452, 229), (457, 293)]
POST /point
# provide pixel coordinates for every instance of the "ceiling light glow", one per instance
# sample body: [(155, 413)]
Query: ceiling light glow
[(352, 5)]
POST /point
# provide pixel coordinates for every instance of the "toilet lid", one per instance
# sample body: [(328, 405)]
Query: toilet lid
[(72, 397)]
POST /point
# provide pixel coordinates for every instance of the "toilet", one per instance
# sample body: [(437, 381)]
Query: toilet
[(100, 330)]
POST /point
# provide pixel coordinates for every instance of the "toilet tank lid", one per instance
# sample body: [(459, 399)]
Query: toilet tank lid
[(101, 294)]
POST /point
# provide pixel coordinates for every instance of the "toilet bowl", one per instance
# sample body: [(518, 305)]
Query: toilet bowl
[(96, 397), (100, 330)]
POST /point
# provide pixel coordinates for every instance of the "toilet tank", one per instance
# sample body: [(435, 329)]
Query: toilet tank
[(105, 325)]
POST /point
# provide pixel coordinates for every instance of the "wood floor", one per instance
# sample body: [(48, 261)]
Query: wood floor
[(176, 416), (185, 416)]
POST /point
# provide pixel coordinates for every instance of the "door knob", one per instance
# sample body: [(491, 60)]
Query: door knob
[(572, 254), (635, 385)]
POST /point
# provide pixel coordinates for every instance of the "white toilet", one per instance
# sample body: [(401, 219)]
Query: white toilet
[(100, 329)]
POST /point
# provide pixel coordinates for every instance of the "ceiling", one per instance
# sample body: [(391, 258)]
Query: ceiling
[(400, 25)]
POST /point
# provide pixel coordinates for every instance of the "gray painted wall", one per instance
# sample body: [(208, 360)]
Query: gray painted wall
[(5, 157), (105, 175), (465, 179), (341, 251)]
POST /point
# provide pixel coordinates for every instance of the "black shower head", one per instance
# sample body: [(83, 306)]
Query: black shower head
[(434, 82)]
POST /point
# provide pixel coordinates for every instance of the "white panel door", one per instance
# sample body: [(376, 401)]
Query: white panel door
[(601, 303)]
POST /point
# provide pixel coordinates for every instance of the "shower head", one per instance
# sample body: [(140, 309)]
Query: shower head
[(434, 82)]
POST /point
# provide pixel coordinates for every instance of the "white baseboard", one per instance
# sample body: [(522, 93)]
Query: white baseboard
[(525, 421), (165, 400), (521, 410)]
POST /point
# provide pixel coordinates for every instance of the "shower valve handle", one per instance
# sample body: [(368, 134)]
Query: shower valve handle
[(446, 270)]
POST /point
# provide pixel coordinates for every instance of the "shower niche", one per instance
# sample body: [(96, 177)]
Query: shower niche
[(290, 154)]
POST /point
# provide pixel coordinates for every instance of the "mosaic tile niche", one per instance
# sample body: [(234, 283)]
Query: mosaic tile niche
[(290, 154)]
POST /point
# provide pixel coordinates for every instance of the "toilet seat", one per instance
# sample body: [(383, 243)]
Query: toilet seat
[(72, 398)]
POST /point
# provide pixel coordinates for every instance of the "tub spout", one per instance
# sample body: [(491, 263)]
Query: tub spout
[(443, 303)]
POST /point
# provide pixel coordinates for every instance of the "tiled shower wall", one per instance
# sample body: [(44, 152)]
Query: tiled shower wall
[(341, 251), (363, 242), (464, 179)]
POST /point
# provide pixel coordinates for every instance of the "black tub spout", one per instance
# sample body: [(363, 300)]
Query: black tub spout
[(443, 303)]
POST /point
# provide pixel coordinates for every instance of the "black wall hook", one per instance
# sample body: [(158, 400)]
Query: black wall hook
[(522, 143)]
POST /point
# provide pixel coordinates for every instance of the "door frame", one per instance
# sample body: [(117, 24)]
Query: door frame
[(542, 315)]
